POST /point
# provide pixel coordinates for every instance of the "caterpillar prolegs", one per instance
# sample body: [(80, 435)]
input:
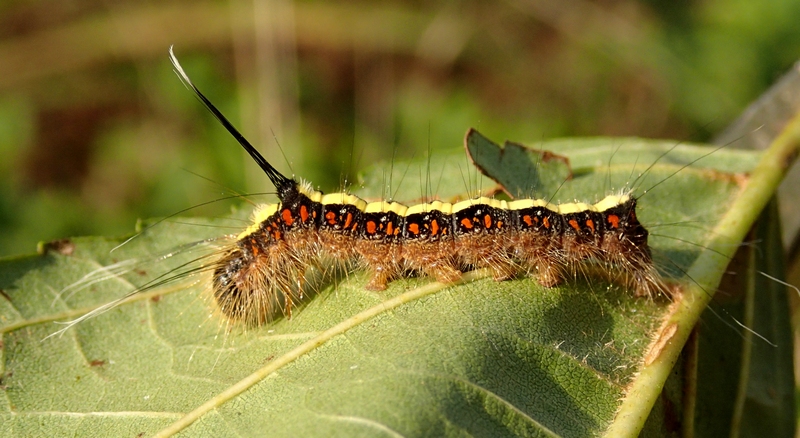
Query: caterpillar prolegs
[(262, 274)]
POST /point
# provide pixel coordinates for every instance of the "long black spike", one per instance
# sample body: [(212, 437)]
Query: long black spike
[(281, 182)]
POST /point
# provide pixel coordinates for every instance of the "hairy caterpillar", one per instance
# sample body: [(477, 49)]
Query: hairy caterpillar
[(262, 274), (259, 274)]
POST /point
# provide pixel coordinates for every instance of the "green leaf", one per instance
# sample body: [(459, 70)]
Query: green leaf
[(421, 358)]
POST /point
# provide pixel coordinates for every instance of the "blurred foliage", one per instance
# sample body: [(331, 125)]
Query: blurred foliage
[(96, 130)]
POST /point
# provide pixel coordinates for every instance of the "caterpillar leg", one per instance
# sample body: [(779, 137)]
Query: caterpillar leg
[(547, 273), (540, 255), (435, 259), (487, 251), (383, 259)]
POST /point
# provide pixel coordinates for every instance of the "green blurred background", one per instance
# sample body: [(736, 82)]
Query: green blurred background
[(96, 130)]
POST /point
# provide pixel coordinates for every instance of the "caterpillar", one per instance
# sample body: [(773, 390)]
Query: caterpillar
[(262, 273)]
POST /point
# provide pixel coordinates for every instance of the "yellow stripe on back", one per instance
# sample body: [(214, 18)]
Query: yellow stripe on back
[(576, 207), (344, 199), (306, 189), (611, 201), (531, 203), (260, 214), (444, 207), (386, 207), (483, 200)]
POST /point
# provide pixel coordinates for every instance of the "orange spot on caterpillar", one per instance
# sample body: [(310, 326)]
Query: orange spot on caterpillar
[(499, 224), (466, 223), (331, 218), (371, 228), (286, 214), (348, 220), (613, 220), (527, 220), (590, 224), (413, 228), (389, 229), (574, 224), (303, 213), (546, 222), (487, 221), (434, 227)]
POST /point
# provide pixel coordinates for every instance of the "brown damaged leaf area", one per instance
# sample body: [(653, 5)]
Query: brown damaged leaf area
[(739, 178), (664, 335), (61, 246)]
